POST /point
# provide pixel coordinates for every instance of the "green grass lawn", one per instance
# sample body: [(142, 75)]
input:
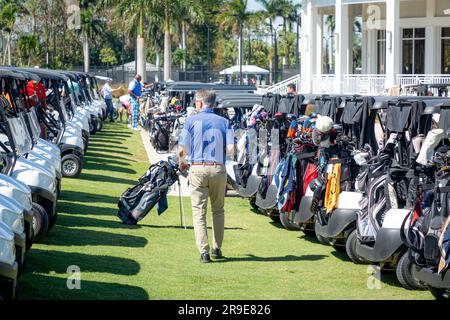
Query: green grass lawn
[(158, 260)]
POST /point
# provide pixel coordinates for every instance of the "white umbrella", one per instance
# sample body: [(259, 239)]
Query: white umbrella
[(246, 69)]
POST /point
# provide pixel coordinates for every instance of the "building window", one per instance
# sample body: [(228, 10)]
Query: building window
[(381, 52), (445, 63), (413, 51)]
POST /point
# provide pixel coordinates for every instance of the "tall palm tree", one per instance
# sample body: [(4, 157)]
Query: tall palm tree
[(233, 16), (170, 8), (272, 9), (135, 14), (90, 25)]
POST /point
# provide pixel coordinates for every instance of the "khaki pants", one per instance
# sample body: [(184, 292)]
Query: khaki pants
[(207, 181)]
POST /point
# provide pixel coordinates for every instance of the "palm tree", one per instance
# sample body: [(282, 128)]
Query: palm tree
[(272, 10), (135, 14), (234, 16), (9, 12), (90, 25), (170, 8), (28, 47)]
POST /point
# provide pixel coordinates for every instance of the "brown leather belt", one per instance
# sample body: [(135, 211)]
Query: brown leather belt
[(206, 164)]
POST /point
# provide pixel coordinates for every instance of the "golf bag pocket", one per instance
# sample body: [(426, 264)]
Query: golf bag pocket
[(136, 203)]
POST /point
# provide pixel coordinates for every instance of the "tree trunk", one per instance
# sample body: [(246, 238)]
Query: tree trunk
[(183, 43), (86, 52), (167, 47), (141, 60), (158, 64), (9, 48), (241, 53)]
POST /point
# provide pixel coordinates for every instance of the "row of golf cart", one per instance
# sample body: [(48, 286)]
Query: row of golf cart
[(369, 176), (32, 167)]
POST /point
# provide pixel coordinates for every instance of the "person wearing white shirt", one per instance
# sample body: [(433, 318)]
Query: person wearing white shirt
[(107, 95)]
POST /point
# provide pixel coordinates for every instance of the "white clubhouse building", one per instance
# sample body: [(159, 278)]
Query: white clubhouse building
[(402, 42)]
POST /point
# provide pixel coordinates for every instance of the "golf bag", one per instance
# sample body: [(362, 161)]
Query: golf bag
[(136, 202)]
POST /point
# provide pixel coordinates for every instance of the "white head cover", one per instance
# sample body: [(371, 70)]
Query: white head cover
[(324, 124)]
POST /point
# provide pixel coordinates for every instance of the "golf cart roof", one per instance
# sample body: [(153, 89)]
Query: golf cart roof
[(9, 73), (194, 86), (47, 74), (381, 102)]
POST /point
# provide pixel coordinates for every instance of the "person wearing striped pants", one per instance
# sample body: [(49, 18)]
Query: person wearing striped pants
[(135, 92)]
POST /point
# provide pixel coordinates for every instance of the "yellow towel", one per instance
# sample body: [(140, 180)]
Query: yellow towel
[(333, 188)]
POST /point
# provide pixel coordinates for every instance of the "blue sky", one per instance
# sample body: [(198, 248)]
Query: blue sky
[(253, 5)]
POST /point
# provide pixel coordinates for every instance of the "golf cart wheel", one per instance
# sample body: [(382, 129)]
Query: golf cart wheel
[(440, 294), (40, 222), (52, 221), (322, 240), (71, 166), (8, 289), (99, 124), (404, 275), (287, 223), (93, 128), (350, 248)]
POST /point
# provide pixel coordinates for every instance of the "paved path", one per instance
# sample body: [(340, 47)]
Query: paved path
[(154, 157)]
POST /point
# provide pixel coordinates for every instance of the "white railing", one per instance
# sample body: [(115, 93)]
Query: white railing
[(364, 84), (323, 83), (281, 87), (413, 79), (404, 80)]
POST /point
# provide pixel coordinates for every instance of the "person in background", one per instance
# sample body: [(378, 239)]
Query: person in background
[(125, 107), (207, 139), (292, 89), (37, 93), (135, 92), (106, 92)]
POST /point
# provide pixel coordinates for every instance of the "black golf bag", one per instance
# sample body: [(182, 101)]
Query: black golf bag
[(136, 202)]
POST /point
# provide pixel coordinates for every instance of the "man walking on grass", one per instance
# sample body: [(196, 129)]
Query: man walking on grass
[(207, 139), (135, 92)]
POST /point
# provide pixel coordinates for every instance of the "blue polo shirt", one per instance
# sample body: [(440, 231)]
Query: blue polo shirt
[(206, 137)]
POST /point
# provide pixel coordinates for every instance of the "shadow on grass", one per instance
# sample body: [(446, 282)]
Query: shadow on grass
[(112, 135), (312, 239), (110, 179), (72, 221), (187, 227), (251, 257), (102, 162), (63, 236), (106, 144), (277, 225), (109, 151), (76, 208), (42, 261), (69, 195), (40, 287), (341, 255), (100, 143), (106, 167), (103, 156)]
